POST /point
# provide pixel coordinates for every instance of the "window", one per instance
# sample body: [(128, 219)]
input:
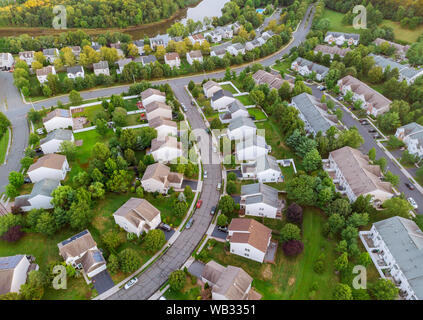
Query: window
[(246, 254), (248, 250)]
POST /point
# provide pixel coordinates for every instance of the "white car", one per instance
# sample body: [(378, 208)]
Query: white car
[(205, 174), (184, 108), (130, 283), (413, 203)]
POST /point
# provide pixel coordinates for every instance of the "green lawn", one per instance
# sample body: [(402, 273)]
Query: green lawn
[(188, 292), (245, 100), (90, 112), (283, 66), (403, 34), (257, 113), (336, 24), (229, 88), (4, 142)]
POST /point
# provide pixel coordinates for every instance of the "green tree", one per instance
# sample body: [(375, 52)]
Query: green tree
[(383, 289), (341, 263), (222, 220), (227, 204), (111, 239), (290, 232), (177, 280), (68, 148), (46, 224), (312, 161), (397, 207), (342, 292), (75, 98), (154, 240), (16, 179), (129, 261), (33, 289)]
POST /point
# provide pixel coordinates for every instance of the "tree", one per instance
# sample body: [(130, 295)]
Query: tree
[(342, 292), (392, 178), (111, 239), (341, 263), (75, 98), (294, 213), (227, 204), (340, 206), (97, 190), (13, 234), (336, 223), (292, 247), (397, 207), (301, 190), (9, 220), (26, 162), (222, 220), (68, 148), (230, 187), (113, 263), (129, 261), (188, 192), (290, 232), (101, 126), (33, 289), (395, 143), (312, 160), (11, 191), (16, 179), (375, 74), (46, 224), (119, 117), (144, 138), (101, 152), (383, 289), (180, 208), (231, 176), (177, 280), (372, 154), (154, 240), (34, 139), (415, 53)]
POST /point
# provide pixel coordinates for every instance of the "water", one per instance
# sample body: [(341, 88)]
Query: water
[(206, 8)]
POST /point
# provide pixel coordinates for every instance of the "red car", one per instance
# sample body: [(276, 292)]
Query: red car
[(199, 203)]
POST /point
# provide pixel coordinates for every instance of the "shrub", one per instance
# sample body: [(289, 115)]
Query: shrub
[(294, 213), (177, 280), (292, 247)]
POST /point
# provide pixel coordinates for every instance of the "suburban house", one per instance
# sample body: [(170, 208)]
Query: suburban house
[(148, 59), (236, 48), (75, 72), (151, 95), (264, 169), (272, 80), (210, 88), (44, 72), (305, 68), (220, 50), (140, 46), (251, 45), (40, 196), (6, 60), (339, 38), (412, 135), (241, 128), (197, 38), (96, 46), (51, 54), (235, 110), (27, 56), (354, 176), (51, 143), (331, 50), (172, 59), (213, 36), (195, 55), (158, 109), (221, 99), (228, 283), (137, 216), (166, 149), (164, 127), (51, 166), (58, 119), (406, 72), (101, 67), (14, 271), (158, 178), (400, 50), (313, 113), (251, 147), (225, 31), (81, 252), (160, 40), (118, 48), (249, 238), (76, 50), (122, 63), (374, 102), (395, 246), (260, 200)]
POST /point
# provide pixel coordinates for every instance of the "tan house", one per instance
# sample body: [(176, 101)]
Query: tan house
[(158, 109), (331, 50), (273, 81), (166, 149), (151, 95), (210, 87), (164, 127), (137, 216), (158, 178), (43, 73), (172, 59), (58, 119), (51, 166)]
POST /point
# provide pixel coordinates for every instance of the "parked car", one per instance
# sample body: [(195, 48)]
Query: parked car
[(208, 130), (205, 174), (222, 229), (372, 130), (413, 203), (219, 185), (165, 227), (131, 282), (189, 223), (184, 108), (192, 103), (377, 136), (199, 203), (322, 88), (409, 186), (27, 180), (214, 149), (340, 98), (213, 210)]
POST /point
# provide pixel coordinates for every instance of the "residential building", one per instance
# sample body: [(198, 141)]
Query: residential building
[(331, 50), (4, 209), (158, 109), (221, 100), (160, 40), (210, 88), (251, 45), (151, 95), (164, 127), (14, 271), (81, 252), (122, 63), (314, 114), (96, 47), (306, 68), (251, 147), (213, 36), (195, 55), (101, 67), (264, 169), (166, 149), (235, 110), (197, 38), (148, 59), (58, 119), (75, 72), (27, 56), (6, 60), (158, 178), (260, 200), (340, 38), (400, 50), (249, 238), (137, 216), (274, 81), (395, 246), (140, 46), (76, 50), (372, 101), (241, 128), (51, 143), (118, 48), (236, 48), (172, 59), (40, 196), (51, 166), (412, 135), (355, 176), (220, 50), (228, 283), (51, 54), (406, 72), (43, 73)]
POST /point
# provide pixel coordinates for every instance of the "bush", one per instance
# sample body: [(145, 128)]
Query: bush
[(290, 232), (294, 213), (177, 280), (292, 247), (129, 260)]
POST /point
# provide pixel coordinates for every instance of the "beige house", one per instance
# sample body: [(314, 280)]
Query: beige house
[(51, 166), (164, 127), (228, 283), (210, 87), (43, 73), (102, 67), (172, 59), (158, 178), (58, 119), (14, 271), (137, 216), (158, 109), (151, 95), (273, 81), (195, 55), (166, 150), (331, 50)]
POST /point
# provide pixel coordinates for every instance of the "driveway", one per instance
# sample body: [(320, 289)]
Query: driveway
[(103, 282), (219, 234), (196, 269), (237, 172), (192, 183), (168, 234)]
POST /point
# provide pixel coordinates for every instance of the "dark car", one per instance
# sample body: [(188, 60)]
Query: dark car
[(165, 227), (372, 130), (377, 136), (409, 186), (192, 103), (213, 210), (189, 223), (222, 229)]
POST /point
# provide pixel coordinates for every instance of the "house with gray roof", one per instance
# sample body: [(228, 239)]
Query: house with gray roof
[(147, 59), (102, 67), (264, 169), (412, 135), (241, 128), (221, 99), (122, 63), (236, 49), (406, 72), (220, 50), (396, 248), (251, 147), (51, 54), (51, 143), (340, 38), (313, 113), (75, 72), (14, 271), (306, 68), (140, 46), (160, 40), (251, 45), (235, 109), (261, 200), (40, 196)]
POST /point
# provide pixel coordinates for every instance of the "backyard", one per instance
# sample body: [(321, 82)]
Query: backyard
[(257, 113), (245, 100)]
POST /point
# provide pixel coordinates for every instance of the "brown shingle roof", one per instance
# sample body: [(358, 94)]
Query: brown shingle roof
[(168, 141), (137, 210), (57, 113), (74, 247), (45, 71), (251, 232), (172, 56), (195, 54), (52, 161), (159, 121), (150, 91), (156, 105)]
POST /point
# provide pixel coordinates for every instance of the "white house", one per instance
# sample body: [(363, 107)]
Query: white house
[(40, 196), (210, 88), (140, 46), (158, 178), (213, 36), (221, 99), (51, 143), (160, 40), (235, 110), (395, 246), (43, 73), (195, 55), (51, 54), (166, 149), (241, 128), (158, 109), (27, 56), (14, 271), (121, 64), (412, 135), (249, 238), (260, 200), (58, 119), (118, 48), (251, 45), (6, 60), (305, 68), (164, 127), (264, 169), (137, 216), (236, 48), (101, 67), (75, 72), (251, 147), (172, 59), (81, 252), (407, 73), (52, 166), (151, 95), (197, 38), (339, 38)]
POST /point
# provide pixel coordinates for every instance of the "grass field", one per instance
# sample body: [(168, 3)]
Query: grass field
[(188, 292), (229, 88), (4, 142), (257, 113), (403, 34), (283, 66), (245, 100), (336, 24)]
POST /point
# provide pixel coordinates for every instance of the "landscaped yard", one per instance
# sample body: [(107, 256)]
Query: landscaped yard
[(403, 34), (4, 142), (188, 292), (336, 24), (229, 88), (257, 113), (283, 66), (245, 100)]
